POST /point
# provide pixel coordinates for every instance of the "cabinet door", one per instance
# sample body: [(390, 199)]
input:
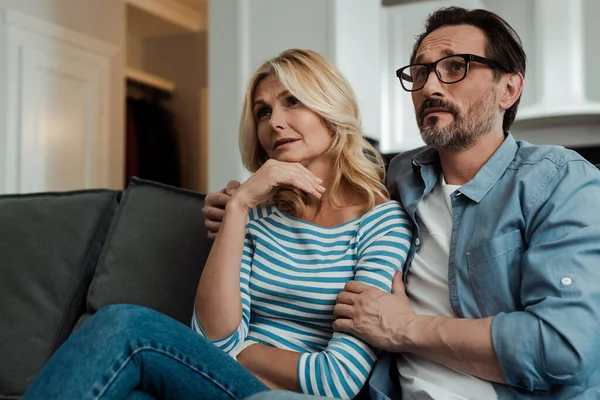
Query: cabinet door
[(56, 134)]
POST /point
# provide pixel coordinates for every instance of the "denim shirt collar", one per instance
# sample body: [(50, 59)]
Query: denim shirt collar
[(478, 187)]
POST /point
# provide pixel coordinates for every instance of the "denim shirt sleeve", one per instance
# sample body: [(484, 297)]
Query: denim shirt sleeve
[(554, 340)]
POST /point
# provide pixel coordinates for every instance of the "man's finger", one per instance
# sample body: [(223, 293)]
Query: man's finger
[(231, 187), (213, 213), (345, 298), (397, 284), (212, 226), (211, 235), (343, 325), (343, 311), (217, 199), (355, 287)]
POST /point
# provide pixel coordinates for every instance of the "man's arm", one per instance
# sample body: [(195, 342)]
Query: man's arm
[(388, 322), (462, 344), (553, 340)]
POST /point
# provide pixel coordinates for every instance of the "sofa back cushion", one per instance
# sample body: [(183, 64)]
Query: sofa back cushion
[(154, 253), (49, 246)]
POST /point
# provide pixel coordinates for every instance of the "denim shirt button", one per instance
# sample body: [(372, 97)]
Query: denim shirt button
[(417, 241), (566, 281)]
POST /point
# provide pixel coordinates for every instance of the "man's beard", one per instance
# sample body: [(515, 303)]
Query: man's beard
[(466, 128)]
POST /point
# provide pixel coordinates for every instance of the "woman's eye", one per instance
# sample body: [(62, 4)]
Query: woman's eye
[(292, 101), (263, 113)]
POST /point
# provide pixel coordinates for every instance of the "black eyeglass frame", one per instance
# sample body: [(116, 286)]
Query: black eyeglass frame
[(433, 66)]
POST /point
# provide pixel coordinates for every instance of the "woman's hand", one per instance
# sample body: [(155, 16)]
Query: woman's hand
[(271, 175)]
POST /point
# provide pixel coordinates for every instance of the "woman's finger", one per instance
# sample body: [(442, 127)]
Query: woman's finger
[(312, 185), (291, 174), (310, 173)]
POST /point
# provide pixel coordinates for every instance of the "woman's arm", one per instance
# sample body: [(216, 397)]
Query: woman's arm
[(218, 302), (276, 368)]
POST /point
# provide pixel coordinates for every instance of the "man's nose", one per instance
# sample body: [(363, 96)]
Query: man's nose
[(433, 87)]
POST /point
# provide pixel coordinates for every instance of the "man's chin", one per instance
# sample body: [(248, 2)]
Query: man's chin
[(436, 137)]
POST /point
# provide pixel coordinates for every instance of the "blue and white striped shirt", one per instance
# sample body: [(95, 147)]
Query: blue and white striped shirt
[(291, 274)]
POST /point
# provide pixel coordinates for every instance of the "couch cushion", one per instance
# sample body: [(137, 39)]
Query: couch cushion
[(154, 253), (49, 246)]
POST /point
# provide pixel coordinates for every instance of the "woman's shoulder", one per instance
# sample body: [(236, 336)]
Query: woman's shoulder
[(261, 211), (387, 214), (387, 207)]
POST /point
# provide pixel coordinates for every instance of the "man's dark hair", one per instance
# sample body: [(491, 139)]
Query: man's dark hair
[(503, 44)]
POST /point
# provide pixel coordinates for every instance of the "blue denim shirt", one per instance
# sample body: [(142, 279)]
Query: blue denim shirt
[(525, 248)]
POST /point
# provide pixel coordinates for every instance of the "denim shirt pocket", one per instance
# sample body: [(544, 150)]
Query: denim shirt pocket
[(494, 273)]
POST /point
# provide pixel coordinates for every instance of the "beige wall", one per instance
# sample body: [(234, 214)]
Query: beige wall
[(102, 20)]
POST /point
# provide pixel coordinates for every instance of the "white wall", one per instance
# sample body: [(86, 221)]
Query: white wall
[(103, 20), (356, 44)]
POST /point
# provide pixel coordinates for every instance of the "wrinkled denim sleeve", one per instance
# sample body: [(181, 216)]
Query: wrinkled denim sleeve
[(555, 340)]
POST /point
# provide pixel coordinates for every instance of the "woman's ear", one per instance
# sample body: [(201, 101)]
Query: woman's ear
[(511, 90)]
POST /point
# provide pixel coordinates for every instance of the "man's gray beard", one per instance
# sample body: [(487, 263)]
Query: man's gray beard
[(461, 134)]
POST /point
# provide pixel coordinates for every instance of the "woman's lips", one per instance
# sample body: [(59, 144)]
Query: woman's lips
[(281, 144)]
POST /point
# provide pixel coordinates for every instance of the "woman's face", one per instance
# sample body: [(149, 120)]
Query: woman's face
[(287, 130)]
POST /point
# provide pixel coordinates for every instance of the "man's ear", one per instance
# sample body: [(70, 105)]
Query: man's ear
[(511, 90)]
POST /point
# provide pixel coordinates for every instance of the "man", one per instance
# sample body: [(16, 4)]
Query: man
[(502, 296)]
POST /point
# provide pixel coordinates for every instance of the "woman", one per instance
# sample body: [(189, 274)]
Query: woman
[(313, 216)]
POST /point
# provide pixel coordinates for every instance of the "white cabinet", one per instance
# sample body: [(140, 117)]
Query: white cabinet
[(55, 135)]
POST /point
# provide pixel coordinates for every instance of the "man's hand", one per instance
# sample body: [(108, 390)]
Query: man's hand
[(214, 207), (387, 321), (379, 318)]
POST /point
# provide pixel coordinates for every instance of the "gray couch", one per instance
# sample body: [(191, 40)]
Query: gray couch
[(63, 256)]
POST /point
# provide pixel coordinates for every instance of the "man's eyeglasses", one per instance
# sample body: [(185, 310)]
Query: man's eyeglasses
[(450, 69)]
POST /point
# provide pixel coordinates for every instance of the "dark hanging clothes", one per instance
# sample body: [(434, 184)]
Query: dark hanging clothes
[(152, 150)]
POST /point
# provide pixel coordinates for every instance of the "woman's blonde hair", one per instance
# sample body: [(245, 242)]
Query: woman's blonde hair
[(319, 86)]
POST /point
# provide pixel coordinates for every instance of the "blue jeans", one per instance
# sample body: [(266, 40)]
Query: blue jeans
[(131, 352)]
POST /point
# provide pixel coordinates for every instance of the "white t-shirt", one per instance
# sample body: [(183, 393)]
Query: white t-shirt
[(428, 293)]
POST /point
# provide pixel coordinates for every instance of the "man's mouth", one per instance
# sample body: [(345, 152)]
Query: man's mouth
[(282, 142), (435, 110)]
